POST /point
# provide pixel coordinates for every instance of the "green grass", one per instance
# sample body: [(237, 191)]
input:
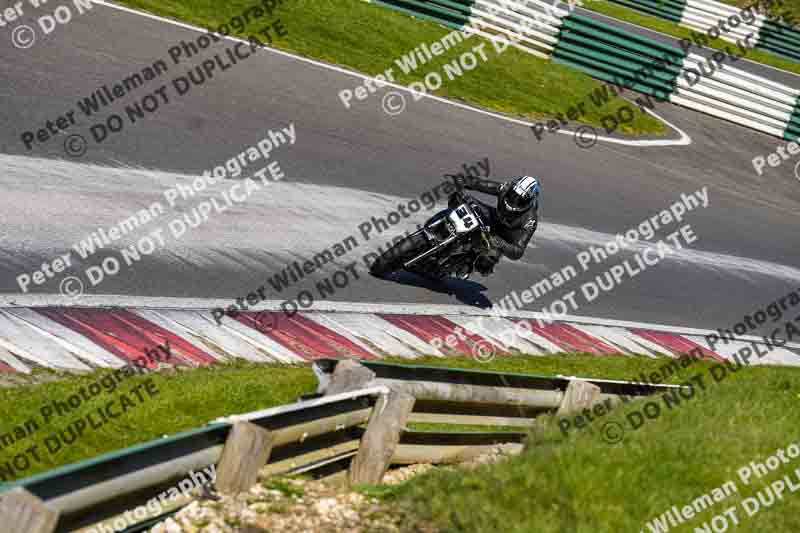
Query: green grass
[(283, 486), (779, 8), (573, 483), (580, 483), (184, 400), (569, 364), (368, 38), (190, 399), (381, 492), (670, 28)]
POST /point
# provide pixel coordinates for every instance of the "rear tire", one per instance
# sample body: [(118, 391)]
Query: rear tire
[(394, 258)]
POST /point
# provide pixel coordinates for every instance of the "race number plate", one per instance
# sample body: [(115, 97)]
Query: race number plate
[(463, 219)]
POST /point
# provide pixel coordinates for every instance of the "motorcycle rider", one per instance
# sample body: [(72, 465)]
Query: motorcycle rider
[(513, 222)]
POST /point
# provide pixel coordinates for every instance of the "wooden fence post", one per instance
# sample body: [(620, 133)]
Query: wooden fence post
[(348, 376), (379, 442), (579, 395), (247, 450), (22, 511)]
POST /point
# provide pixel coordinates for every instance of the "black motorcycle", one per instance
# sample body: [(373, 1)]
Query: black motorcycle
[(447, 245)]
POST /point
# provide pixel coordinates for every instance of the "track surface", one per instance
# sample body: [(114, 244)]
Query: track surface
[(349, 165)]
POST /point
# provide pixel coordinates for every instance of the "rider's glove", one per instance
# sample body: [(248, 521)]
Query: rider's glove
[(461, 182)]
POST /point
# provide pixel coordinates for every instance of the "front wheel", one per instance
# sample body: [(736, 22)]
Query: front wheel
[(394, 258)]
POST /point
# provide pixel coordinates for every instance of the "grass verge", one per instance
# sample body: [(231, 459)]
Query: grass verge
[(575, 482), (189, 399), (183, 400), (670, 28), (620, 367), (368, 38), (779, 8), (579, 482)]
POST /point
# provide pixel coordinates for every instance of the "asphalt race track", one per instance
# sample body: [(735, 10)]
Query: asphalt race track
[(348, 165)]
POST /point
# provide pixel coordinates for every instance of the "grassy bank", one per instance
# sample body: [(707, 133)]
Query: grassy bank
[(670, 28), (182, 400), (620, 367), (368, 38), (579, 482), (576, 482), (189, 399), (779, 8)]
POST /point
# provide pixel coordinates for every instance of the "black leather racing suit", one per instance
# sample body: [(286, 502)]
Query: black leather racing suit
[(510, 238)]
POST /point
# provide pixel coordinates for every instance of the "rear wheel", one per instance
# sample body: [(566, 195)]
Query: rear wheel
[(394, 258)]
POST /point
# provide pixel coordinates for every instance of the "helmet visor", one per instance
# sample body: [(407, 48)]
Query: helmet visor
[(522, 194), (516, 203)]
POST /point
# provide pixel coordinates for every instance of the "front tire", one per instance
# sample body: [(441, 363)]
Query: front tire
[(394, 258)]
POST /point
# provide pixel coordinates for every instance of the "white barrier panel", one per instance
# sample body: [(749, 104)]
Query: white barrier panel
[(735, 95)]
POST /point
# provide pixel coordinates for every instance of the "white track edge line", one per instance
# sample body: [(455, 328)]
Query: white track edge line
[(684, 139)]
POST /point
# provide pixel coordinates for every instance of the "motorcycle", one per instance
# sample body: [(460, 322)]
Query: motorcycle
[(448, 244)]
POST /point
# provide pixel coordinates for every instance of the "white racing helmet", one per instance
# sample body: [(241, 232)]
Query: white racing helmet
[(521, 195)]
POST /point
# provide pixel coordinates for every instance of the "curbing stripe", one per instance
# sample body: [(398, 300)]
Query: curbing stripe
[(215, 340), (9, 363), (383, 335), (502, 333), (26, 344), (77, 344), (437, 331), (679, 344), (362, 331), (305, 337), (624, 339)]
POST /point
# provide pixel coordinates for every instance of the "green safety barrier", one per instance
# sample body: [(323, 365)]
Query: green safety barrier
[(793, 129), (773, 37), (779, 39), (427, 11), (613, 55), (672, 11), (465, 6)]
